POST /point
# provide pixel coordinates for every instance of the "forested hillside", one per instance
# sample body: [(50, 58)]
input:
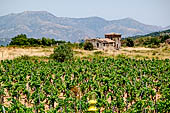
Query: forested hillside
[(154, 34)]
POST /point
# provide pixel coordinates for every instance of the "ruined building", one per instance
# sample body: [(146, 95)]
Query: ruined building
[(111, 41)]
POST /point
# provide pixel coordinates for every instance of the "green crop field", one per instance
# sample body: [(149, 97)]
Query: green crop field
[(120, 85)]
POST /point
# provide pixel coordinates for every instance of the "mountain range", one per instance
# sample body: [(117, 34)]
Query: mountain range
[(38, 24)]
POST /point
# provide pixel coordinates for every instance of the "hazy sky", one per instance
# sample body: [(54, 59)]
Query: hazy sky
[(154, 12)]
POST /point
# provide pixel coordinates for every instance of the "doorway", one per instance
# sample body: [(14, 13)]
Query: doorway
[(97, 45)]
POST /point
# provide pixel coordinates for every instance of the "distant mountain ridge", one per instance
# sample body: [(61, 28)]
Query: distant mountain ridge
[(40, 24)]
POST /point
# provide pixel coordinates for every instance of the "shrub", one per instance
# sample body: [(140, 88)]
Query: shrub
[(130, 42), (23, 57), (62, 53), (154, 53), (81, 45), (88, 46), (98, 53)]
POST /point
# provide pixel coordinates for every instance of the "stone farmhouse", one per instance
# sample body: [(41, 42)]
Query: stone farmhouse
[(111, 41)]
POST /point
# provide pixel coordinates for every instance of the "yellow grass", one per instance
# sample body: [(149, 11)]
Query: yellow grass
[(13, 52), (131, 52)]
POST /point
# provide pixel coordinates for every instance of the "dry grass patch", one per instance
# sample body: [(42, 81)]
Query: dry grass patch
[(132, 52)]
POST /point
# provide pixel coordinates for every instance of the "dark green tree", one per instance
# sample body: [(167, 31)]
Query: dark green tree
[(81, 45), (88, 46), (165, 37), (20, 40), (45, 41), (130, 42), (33, 41)]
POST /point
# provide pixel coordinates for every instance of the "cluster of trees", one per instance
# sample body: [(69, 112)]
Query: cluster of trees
[(148, 41), (151, 41), (127, 42), (82, 45), (154, 34), (22, 40)]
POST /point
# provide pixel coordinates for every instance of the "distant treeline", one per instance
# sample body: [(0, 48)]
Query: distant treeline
[(147, 41), (154, 34), (152, 40), (22, 40)]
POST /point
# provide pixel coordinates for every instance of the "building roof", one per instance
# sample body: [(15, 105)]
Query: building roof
[(102, 40), (113, 34), (106, 40)]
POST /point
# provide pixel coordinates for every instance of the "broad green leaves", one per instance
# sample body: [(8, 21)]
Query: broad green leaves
[(121, 85)]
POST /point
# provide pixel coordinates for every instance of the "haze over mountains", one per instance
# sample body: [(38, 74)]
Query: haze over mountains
[(40, 24)]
